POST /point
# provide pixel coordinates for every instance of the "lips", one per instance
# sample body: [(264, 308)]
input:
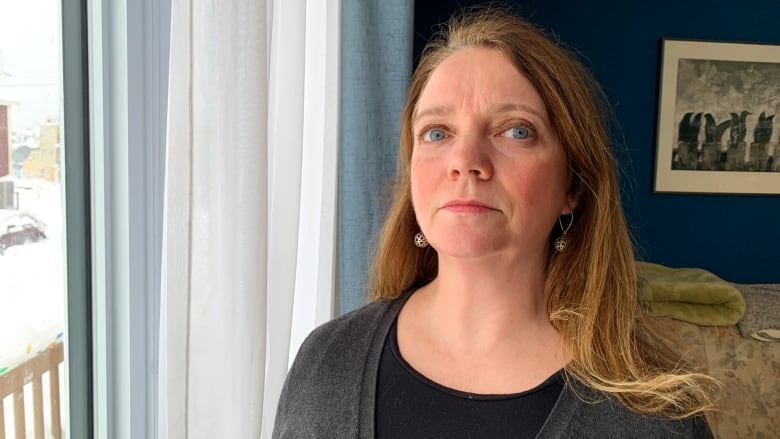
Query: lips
[(467, 206)]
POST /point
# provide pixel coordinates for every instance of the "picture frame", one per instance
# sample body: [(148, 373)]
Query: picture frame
[(718, 118)]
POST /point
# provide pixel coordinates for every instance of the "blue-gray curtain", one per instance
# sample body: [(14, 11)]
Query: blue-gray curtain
[(376, 63)]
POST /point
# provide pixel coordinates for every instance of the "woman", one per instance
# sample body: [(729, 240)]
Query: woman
[(505, 299)]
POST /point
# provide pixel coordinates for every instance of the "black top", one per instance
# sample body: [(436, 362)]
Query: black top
[(409, 405), (331, 390)]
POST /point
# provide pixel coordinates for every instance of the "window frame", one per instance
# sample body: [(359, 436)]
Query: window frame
[(115, 80), (128, 43), (76, 193)]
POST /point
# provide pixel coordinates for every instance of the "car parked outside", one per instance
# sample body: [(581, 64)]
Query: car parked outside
[(21, 229)]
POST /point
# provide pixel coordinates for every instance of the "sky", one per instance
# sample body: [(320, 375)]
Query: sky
[(30, 67)]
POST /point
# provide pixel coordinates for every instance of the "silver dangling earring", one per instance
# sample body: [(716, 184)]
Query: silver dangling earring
[(560, 242), (420, 241)]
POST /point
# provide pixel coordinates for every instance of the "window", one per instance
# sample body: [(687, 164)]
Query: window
[(109, 334), (33, 381)]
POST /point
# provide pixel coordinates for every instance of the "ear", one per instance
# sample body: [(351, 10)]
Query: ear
[(572, 200), (574, 192)]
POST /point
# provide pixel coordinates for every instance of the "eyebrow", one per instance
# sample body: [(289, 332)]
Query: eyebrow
[(435, 111), (505, 108), (500, 108)]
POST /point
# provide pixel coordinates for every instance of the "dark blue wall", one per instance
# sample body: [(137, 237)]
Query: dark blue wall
[(736, 237)]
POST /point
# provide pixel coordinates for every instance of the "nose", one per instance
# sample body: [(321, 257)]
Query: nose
[(470, 156)]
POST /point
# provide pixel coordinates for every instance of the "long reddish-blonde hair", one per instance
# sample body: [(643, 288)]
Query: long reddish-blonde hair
[(591, 288)]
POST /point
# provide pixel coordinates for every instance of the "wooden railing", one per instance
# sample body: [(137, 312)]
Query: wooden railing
[(31, 371)]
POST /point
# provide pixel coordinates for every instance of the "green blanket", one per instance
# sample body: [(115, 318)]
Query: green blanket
[(689, 294)]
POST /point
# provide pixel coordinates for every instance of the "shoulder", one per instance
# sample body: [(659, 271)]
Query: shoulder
[(348, 334), (589, 413), (340, 345), (322, 395)]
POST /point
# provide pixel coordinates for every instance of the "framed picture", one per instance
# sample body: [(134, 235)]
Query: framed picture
[(718, 118)]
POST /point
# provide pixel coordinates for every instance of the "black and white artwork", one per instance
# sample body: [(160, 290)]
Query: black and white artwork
[(725, 114), (719, 118)]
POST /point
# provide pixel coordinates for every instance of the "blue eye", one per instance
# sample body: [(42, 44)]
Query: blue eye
[(434, 135), (518, 133)]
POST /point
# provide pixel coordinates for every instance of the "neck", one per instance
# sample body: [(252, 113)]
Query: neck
[(486, 302), (477, 316)]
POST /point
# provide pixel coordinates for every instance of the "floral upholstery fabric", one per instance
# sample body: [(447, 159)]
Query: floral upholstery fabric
[(749, 401)]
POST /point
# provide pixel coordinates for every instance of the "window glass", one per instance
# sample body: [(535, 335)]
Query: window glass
[(32, 279)]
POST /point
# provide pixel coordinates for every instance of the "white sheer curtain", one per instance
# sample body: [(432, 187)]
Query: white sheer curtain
[(248, 247)]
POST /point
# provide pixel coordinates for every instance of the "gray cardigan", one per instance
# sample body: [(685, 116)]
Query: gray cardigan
[(330, 391)]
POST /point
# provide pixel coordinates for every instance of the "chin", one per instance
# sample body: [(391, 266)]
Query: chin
[(467, 249)]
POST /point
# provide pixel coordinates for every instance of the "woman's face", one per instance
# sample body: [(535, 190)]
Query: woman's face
[(488, 174)]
